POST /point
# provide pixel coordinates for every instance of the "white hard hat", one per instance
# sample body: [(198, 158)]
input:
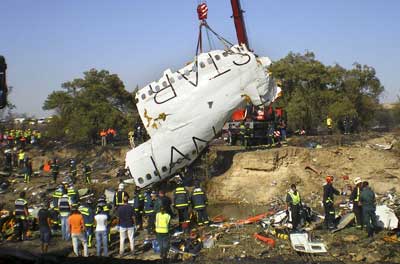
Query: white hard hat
[(357, 180), (121, 186)]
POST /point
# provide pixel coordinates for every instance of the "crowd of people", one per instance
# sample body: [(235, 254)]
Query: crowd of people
[(82, 220), (20, 138), (362, 198), (107, 136)]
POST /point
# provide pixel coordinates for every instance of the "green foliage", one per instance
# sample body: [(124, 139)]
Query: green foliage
[(312, 91), (85, 106)]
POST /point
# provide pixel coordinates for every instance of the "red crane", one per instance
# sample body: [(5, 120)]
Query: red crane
[(3, 83), (239, 23)]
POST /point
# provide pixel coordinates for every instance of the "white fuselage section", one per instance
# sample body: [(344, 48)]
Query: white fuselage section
[(184, 110)]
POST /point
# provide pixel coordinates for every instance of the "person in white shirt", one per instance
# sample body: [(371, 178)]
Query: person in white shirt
[(101, 219)]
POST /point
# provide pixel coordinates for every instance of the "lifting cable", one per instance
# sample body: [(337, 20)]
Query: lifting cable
[(202, 12)]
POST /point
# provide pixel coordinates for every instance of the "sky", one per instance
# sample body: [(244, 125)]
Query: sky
[(49, 42)]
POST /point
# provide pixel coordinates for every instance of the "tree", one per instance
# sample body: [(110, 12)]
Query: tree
[(87, 105), (312, 90)]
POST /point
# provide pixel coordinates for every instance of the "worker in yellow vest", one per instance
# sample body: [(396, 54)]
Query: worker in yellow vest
[(329, 124), (357, 207), (131, 138), (162, 232), (293, 201), (21, 158)]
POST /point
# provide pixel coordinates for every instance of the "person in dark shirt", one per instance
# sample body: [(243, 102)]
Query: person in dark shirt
[(328, 201), (44, 221), (126, 217), (368, 203), (163, 201), (355, 198)]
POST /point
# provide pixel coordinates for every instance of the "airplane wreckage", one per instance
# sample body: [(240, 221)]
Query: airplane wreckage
[(184, 110)]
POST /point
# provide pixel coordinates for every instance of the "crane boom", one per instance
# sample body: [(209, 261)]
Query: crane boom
[(239, 23), (3, 83)]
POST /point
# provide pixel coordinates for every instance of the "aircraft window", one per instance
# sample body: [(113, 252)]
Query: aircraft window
[(172, 80), (209, 61), (143, 96), (194, 69), (187, 72), (157, 88), (148, 176), (225, 54), (217, 57), (164, 83), (156, 173), (180, 77), (202, 65), (140, 180), (164, 168), (150, 92)]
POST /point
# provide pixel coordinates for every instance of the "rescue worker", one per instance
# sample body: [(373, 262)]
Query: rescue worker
[(22, 141), (138, 206), (8, 160), (181, 204), (15, 155), (64, 207), (247, 136), (21, 158), (138, 134), (282, 129), (27, 170), (162, 232), (270, 134), (242, 134), (328, 201), (165, 202), (293, 201), (329, 124), (10, 140), (368, 204), (73, 195), (199, 204), (88, 218), (73, 170), (55, 168), (119, 195), (58, 193), (87, 172), (131, 138), (103, 136), (347, 124), (149, 210), (21, 216), (355, 198)]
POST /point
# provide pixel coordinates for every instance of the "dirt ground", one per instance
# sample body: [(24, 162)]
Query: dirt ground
[(239, 184), (261, 176)]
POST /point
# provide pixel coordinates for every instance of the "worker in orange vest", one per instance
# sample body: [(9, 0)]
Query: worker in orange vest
[(103, 135), (110, 135)]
